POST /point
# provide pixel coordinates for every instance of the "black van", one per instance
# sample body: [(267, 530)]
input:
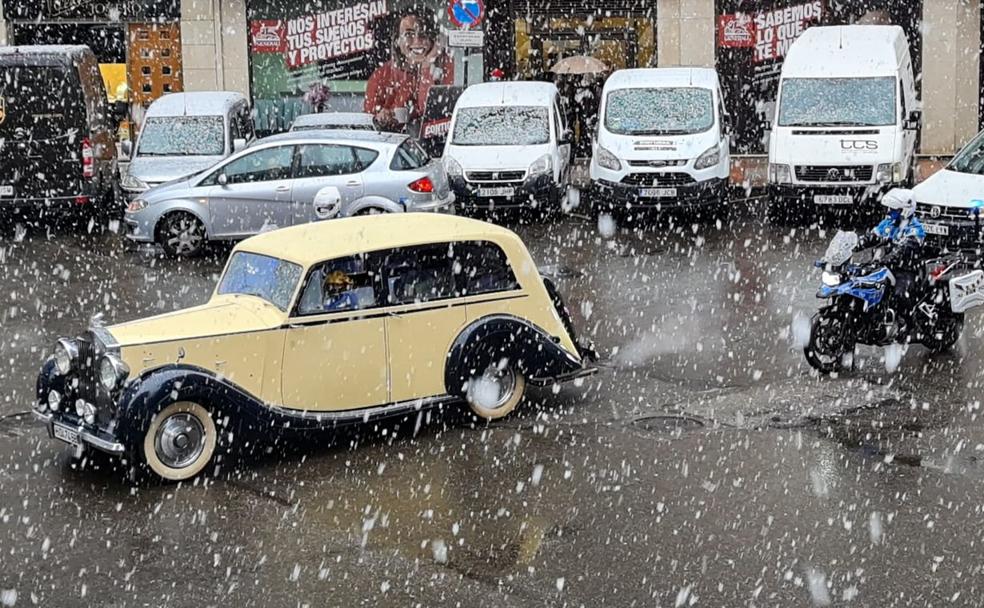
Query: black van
[(57, 141)]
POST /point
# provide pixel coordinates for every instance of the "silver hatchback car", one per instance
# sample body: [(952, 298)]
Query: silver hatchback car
[(289, 179)]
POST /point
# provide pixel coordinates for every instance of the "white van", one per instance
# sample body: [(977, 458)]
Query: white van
[(662, 139), (508, 146), (186, 133), (847, 118), (950, 202)]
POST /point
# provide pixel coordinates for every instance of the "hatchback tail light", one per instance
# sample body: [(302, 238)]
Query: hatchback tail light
[(424, 184), (88, 168)]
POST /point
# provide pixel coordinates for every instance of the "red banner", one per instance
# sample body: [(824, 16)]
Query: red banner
[(267, 36), (736, 31), (770, 32)]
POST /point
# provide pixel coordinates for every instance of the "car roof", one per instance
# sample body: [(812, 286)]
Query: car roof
[(308, 244), (198, 103), (333, 118), (62, 52), (334, 136), (662, 77), (846, 50), (511, 93)]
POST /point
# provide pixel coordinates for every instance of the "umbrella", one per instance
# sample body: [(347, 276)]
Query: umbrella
[(579, 64)]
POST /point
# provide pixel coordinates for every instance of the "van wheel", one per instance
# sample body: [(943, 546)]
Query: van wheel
[(495, 393), (180, 441), (182, 235)]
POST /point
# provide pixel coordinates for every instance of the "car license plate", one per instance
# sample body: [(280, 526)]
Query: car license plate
[(66, 434), (833, 199), (6, 190), (494, 192), (658, 192), (937, 229)]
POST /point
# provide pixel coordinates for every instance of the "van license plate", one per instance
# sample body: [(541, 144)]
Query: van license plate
[(937, 229), (657, 192), (833, 199), (66, 434), (493, 192), (6, 190)]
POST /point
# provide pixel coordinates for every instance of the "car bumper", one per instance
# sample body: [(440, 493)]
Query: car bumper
[(87, 437), (846, 196), (437, 205), (698, 194), (140, 225), (535, 191), (953, 234)]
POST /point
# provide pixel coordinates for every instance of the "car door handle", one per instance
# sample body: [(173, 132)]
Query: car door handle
[(283, 188), (353, 184)]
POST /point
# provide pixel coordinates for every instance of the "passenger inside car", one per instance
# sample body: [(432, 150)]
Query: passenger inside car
[(342, 284)]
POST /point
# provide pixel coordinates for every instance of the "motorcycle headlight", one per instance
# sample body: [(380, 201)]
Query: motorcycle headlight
[(66, 352), (544, 164), (709, 158), (780, 174), (607, 160), (133, 183), (830, 279), (112, 371), (452, 167), (889, 173), (137, 204)]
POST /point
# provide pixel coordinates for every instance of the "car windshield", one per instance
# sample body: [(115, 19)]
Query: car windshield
[(663, 111), (837, 102), (271, 279), (971, 158), (182, 136), (502, 126)]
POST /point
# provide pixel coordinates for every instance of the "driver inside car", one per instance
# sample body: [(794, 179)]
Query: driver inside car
[(338, 292)]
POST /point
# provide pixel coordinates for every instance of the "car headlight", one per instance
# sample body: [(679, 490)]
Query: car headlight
[(544, 164), (112, 371), (889, 173), (54, 400), (830, 279), (607, 160), (452, 167), (709, 158), (86, 411), (66, 352), (137, 204), (134, 183), (780, 174)]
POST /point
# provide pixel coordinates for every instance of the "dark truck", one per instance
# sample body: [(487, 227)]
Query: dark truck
[(57, 139)]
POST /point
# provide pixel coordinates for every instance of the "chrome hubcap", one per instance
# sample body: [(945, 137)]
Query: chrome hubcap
[(505, 380), (180, 440), (184, 234)]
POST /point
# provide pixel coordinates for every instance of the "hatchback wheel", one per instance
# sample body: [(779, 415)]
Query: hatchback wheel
[(495, 393), (182, 235), (180, 441)]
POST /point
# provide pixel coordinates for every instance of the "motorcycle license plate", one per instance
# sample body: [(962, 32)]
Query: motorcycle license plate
[(833, 199), (937, 229), (6, 190), (657, 192), (495, 192), (66, 434)]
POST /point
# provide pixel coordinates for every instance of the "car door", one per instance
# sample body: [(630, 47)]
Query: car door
[(562, 150), (251, 193), (335, 348), (423, 317), (321, 165)]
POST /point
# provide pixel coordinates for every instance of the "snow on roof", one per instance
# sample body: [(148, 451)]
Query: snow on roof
[(511, 93), (334, 136), (662, 77), (199, 103), (846, 50), (333, 119)]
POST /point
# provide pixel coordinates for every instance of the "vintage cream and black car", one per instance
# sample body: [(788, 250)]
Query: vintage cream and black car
[(313, 326)]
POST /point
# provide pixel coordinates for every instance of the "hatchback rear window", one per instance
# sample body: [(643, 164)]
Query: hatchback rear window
[(40, 102), (409, 155)]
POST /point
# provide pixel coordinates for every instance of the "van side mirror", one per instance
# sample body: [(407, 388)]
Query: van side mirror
[(565, 138), (766, 125), (914, 120), (327, 203), (238, 144), (126, 148), (222, 179)]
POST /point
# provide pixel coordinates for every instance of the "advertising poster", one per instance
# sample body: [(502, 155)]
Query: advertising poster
[(753, 37), (377, 56)]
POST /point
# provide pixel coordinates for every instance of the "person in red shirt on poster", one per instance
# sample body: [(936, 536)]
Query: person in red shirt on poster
[(397, 91)]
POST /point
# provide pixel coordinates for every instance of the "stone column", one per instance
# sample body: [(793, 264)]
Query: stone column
[(951, 74), (685, 33), (3, 27), (213, 45)]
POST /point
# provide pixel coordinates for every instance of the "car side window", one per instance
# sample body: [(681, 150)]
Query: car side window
[(408, 156), (264, 165), (419, 274), (338, 285), (322, 160), (483, 267)]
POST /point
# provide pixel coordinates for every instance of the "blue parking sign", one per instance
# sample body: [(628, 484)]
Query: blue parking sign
[(466, 13)]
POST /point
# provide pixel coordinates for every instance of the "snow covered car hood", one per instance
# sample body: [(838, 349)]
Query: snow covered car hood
[(951, 189), (658, 147), (158, 169)]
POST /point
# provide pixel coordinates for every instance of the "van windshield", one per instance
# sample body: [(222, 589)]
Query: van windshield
[(502, 126), (262, 276), (26, 106), (182, 136), (837, 102), (663, 111), (971, 158)]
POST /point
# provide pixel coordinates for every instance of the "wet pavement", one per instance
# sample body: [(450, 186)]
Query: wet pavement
[(705, 465)]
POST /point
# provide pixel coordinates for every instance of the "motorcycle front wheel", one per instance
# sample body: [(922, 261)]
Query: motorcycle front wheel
[(829, 344)]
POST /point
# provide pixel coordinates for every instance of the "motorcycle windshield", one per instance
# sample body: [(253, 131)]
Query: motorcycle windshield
[(841, 247)]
